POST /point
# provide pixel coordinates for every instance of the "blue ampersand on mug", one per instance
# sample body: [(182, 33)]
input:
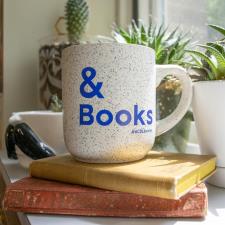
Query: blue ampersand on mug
[(88, 81), (86, 110)]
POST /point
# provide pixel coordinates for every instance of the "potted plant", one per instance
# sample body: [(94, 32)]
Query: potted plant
[(208, 105), (170, 49), (76, 17), (26, 138)]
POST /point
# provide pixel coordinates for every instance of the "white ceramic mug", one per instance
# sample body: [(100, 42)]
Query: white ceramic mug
[(109, 100)]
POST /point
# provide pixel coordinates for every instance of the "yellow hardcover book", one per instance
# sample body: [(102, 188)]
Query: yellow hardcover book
[(160, 174)]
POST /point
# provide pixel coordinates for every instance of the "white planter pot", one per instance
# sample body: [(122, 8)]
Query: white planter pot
[(209, 113)]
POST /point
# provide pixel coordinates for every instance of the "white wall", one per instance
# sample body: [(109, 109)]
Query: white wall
[(25, 22), (102, 16)]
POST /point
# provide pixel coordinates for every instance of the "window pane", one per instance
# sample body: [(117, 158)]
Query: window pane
[(194, 15)]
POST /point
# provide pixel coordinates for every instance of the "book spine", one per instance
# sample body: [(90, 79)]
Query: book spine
[(101, 179), (97, 203)]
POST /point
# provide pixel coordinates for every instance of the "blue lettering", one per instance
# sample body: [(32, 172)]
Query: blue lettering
[(149, 115), (88, 81), (118, 119), (138, 116), (123, 117), (86, 111), (106, 112)]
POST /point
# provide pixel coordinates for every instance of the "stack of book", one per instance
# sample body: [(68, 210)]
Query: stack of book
[(161, 185)]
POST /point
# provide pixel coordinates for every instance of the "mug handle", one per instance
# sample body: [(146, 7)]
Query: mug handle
[(170, 121)]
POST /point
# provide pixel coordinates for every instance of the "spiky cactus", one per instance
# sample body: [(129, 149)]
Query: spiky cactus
[(76, 15)]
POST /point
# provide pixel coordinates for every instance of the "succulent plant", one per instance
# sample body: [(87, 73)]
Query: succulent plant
[(169, 48), (76, 15), (55, 104), (210, 64)]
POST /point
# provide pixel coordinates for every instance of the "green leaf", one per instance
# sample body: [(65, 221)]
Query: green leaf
[(170, 43), (198, 62), (119, 38), (218, 28), (218, 46), (189, 64), (185, 43), (205, 58), (172, 34), (122, 33), (219, 57), (144, 36), (161, 58), (160, 38), (159, 30), (172, 54), (135, 27)]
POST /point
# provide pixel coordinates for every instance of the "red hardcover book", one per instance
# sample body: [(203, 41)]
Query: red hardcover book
[(33, 195)]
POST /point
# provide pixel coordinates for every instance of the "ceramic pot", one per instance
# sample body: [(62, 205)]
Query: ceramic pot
[(209, 111), (50, 76)]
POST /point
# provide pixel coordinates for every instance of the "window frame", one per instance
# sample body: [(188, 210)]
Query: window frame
[(152, 11), (124, 12)]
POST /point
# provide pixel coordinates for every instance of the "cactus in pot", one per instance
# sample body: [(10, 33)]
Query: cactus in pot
[(76, 17), (169, 48)]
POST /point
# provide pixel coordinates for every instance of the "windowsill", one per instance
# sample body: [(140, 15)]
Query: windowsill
[(12, 171)]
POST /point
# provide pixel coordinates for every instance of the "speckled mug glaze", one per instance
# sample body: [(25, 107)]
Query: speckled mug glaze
[(125, 78)]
